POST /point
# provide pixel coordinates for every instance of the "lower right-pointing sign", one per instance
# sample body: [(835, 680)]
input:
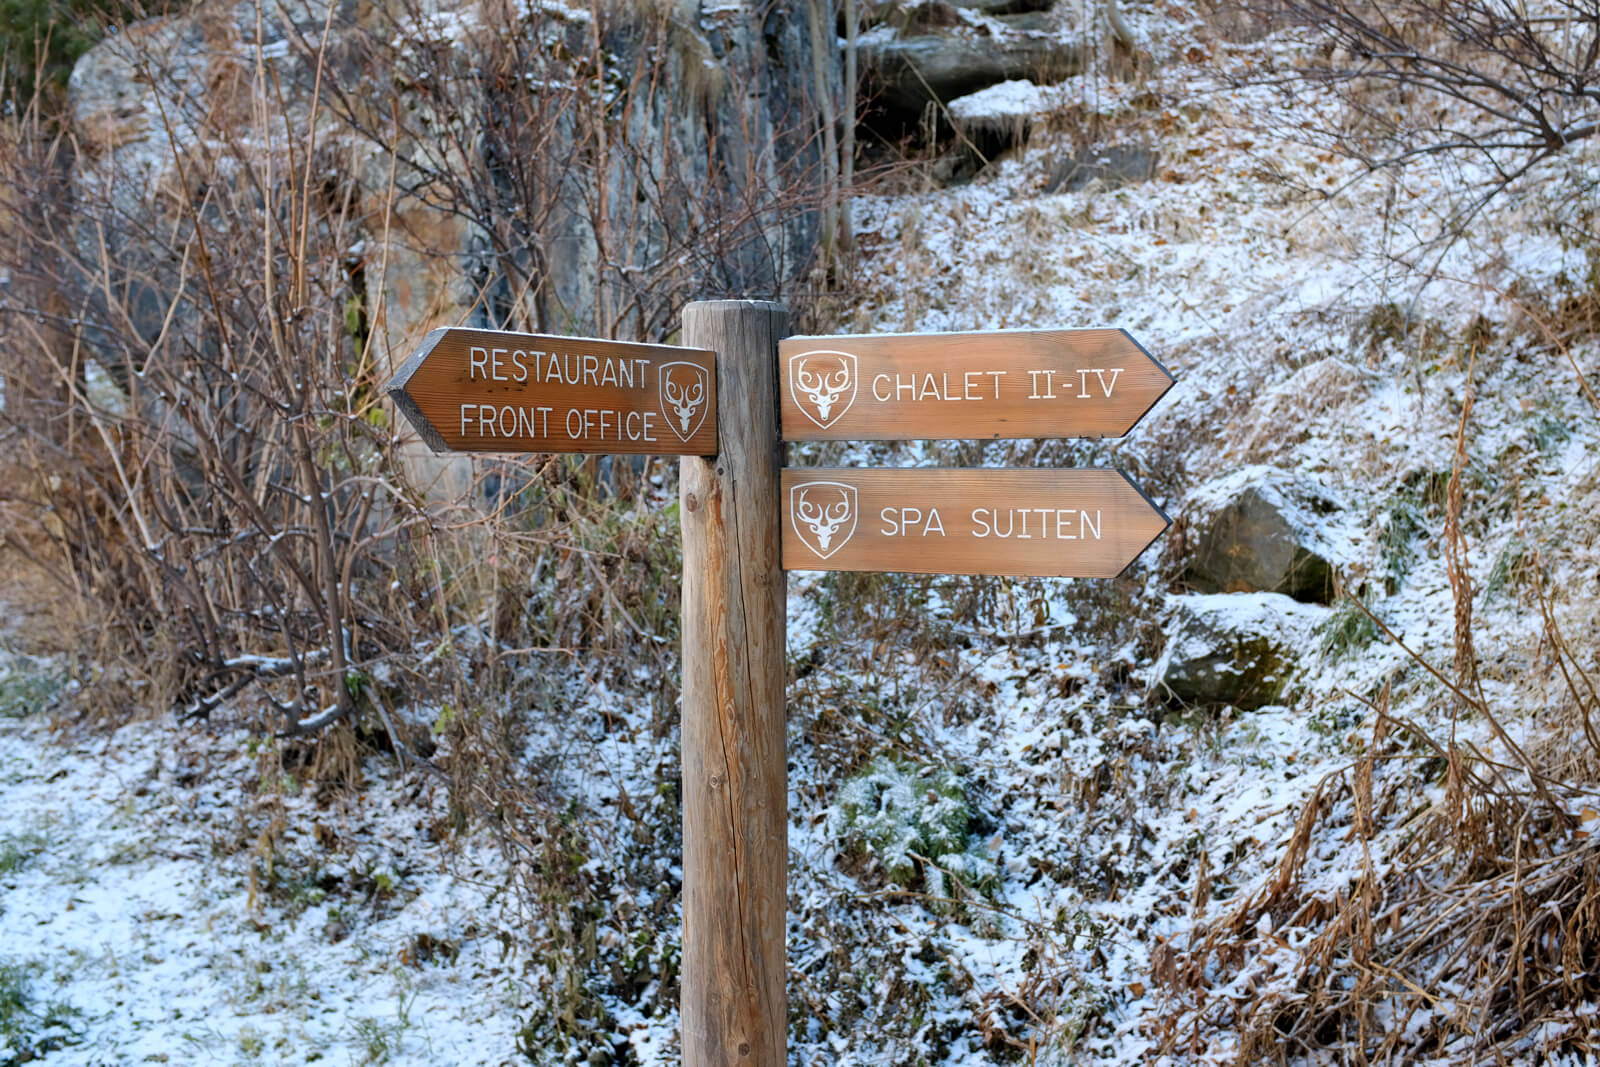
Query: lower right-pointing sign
[(1068, 523)]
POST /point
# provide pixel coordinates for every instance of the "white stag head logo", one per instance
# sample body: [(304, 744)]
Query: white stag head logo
[(823, 384), (683, 389), (823, 515)]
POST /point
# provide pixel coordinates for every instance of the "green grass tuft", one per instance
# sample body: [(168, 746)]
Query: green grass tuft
[(24, 692), (915, 822), (30, 1030), (1347, 630)]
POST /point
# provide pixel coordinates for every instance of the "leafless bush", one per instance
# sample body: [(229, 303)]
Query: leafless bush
[(195, 332), (194, 402), (1501, 88), (1467, 933), (1465, 926)]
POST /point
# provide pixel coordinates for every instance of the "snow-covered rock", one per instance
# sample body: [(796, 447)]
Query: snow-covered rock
[(942, 59), (1235, 649), (1262, 530)]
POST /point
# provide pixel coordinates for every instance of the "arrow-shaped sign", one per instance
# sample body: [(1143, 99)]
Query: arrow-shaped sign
[(934, 386), (470, 390), (1071, 523)]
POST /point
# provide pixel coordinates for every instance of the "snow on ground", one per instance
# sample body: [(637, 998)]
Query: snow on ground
[(181, 906), (165, 905)]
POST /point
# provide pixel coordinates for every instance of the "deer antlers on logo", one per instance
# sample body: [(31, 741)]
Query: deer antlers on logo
[(824, 523), (684, 405), (823, 390)]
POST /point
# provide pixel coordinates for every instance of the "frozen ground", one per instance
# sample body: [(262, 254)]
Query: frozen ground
[(162, 904), (174, 896)]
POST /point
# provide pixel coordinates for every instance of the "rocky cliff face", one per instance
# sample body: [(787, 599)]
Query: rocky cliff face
[(580, 170)]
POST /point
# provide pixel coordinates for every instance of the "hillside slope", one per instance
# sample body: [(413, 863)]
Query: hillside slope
[(1182, 816)]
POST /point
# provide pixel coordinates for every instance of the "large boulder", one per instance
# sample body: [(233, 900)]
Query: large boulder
[(530, 225), (1232, 649), (1261, 530), (944, 52), (1003, 7)]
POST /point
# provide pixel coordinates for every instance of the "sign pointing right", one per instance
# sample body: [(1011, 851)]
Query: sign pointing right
[(1070, 523), (939, 386)]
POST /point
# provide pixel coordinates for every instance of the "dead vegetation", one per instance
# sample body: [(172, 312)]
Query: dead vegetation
[(1438, 896), (1462, 921)]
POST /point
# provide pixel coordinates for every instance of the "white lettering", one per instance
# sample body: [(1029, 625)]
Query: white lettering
[(1069, 524), (875, 395), (900, 522), (476, 359)]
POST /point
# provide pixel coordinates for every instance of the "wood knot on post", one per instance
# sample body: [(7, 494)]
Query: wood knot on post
[(715, 781), (690, 501)]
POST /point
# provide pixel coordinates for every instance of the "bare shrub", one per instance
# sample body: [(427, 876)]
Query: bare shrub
[(603, 162), (1499, 89), (195, 335), (1437, 898), (1465, 932), (196, 412)]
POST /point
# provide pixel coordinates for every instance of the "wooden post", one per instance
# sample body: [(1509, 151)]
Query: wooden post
[(735, 795)]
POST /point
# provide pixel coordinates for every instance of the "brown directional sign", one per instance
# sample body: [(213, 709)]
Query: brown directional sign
[(470, 390), (1071, 523), (1001, 383)]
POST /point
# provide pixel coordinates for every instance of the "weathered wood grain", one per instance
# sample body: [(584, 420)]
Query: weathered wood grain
[(735, 797), (1070, 523), (468, 390), (940, 386)]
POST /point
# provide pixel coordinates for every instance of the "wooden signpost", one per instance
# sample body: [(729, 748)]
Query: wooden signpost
[(746, 519), (1079, 523), (931, 386), (489, 391)]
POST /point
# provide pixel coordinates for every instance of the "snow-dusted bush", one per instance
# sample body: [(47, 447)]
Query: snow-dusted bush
[(913, 821)]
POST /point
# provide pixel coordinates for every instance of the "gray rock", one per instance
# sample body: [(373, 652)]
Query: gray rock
[(1112, 166), (743, 126), (909, 69), (1004, 7), (1232, 649), (1261, 531)]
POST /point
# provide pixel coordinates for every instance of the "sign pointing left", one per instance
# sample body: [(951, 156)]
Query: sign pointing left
[(471, 390)]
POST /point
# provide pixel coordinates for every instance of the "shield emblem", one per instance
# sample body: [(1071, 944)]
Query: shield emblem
[(682, 390), (823, 384), (823, 515)]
